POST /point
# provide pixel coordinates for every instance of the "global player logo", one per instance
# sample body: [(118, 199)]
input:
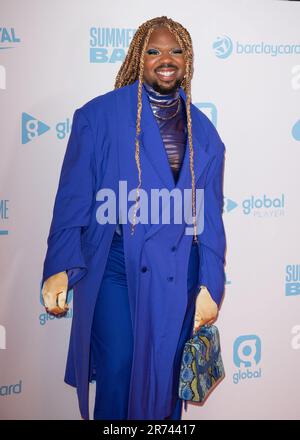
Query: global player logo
[(32, 128), (223, 46), (247, 356)]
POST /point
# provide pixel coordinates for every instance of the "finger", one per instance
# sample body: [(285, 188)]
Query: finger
[(56, 310), (50, 301), (198, 322), (61, 299)]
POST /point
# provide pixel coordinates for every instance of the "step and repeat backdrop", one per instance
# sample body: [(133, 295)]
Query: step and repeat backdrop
[(57, 55)]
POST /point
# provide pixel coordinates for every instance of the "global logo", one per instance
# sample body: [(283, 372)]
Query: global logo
[(223, 47), (246, 356), (296, 131), (264, 206), (33, 127)]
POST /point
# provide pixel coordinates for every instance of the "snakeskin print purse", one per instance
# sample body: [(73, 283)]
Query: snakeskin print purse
[(201, 365)]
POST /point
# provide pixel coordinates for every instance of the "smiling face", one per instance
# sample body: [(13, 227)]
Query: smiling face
[(164, 62)]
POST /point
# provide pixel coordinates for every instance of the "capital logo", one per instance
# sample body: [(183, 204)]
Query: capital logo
[(246, 356), (223, 46), (292, 280), (2, 337), (296, 131), (8, 38), (295, 82), (32, 128), (2, 78), (209, 109)]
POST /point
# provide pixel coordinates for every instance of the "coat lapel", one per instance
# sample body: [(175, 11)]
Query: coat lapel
[(151, 144)]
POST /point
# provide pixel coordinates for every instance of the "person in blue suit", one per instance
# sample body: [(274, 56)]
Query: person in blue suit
[(141, 285)]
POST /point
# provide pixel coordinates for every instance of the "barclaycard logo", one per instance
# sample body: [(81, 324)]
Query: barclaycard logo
[(223, 46), (8, 390), (246, 357)]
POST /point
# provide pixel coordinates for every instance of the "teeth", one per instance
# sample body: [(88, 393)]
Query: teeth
[(169, 73)]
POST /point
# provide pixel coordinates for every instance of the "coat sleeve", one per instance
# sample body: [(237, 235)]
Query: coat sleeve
[(73, 204), (212, 240)]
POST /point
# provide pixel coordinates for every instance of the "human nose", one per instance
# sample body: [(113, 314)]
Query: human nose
[(166, 58)]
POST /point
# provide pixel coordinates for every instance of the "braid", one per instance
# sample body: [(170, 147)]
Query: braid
[(133, 69)]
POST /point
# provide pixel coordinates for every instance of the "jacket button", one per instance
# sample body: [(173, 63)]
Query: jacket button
[(170, 278), (144, 269), (173, 248)]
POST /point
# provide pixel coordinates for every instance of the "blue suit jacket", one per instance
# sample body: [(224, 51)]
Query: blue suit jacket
[(100, 153)]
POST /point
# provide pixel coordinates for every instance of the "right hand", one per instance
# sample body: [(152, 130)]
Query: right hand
[(54, 293)]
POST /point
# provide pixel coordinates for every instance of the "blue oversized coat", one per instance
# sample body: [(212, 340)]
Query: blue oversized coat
[(100, 153)]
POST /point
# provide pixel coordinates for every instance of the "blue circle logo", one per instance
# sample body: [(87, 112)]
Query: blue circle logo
[(223, 47)]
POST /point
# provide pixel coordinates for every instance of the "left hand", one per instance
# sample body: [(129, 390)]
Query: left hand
[(206, 309)]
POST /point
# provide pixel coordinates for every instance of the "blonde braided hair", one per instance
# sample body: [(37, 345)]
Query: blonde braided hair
[(133, 69)]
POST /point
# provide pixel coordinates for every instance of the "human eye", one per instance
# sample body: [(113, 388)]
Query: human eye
[(152, 51), (177, 50)]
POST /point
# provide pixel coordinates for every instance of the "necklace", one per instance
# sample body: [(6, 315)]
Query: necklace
[(166, 119), (166, 105)]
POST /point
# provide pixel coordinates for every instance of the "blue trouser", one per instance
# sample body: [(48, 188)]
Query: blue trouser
[(112, 338)]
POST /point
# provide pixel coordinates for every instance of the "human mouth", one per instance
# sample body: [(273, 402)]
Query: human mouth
[(166, 74)]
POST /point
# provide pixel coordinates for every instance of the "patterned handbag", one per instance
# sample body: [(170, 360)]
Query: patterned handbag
[(201, 365)]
